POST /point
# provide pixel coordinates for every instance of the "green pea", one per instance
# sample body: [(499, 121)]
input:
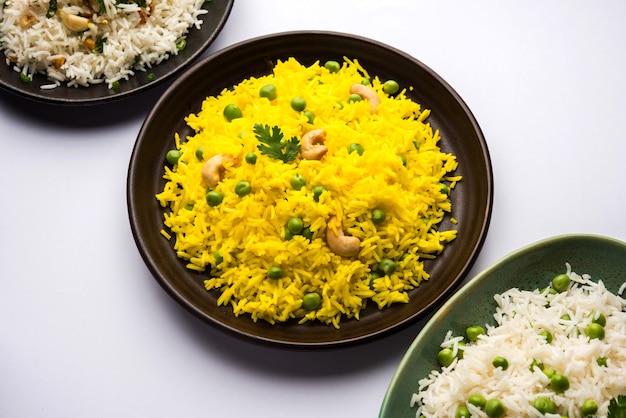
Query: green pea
[(298, 181), (354, 147), (494, 408), (589, 407), (298, 104), (594, 330), (275, 272), (310, 116), (534, 364), (391, 87), (462, 412), (151, 77), (598, 318), (460, 349), (373, 277), (353, 98), (547, 335), (473, 332), (295, 225), (477, 400), (317, 192), (444, 189), (544, 405), (550, 290), (332, 66), (378, 216), (366, 81), (268, 91), (387, 266), (232, 112), (25, 78), (243, 188), (173, 156), (307, 233), (549, 373), (180, 45), (601, 361), (250, 158), (559, 383), (189, 206), (214, 198), (311, 301), (500, 362), (561, 282), (200, 153), (445, 357), (218, 258)]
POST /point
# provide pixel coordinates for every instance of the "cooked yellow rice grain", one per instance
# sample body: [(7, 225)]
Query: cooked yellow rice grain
[(239, 240)]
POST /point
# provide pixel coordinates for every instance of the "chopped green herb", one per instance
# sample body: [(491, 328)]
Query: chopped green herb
[(181, 44), (52, 8), (101, 7), (617, 407), (25, 78), (151, 77), (99, 48), (272, 144)]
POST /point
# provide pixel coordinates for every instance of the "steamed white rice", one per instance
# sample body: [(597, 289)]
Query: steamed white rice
[(136, 38), (520, 317)]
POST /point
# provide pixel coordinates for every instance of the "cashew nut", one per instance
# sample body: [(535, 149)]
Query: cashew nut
[(213, 168), (312, 145), (26, 21), (340, 244), (58, 61), (74, 22), (368, 94)]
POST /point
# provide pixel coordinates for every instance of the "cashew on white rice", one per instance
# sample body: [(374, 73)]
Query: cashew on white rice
[(213, 168), (74, 22), (368, 94), (341, 244), (312, 145)]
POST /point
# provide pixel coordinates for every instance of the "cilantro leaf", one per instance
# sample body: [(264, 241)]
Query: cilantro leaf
[(273, 145), (617, 407)]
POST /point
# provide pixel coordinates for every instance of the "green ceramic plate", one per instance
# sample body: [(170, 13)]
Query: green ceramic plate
[(528, 268)]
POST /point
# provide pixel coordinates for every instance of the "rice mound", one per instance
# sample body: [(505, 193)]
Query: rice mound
[(520, 318), (134, 38), (243, 237)]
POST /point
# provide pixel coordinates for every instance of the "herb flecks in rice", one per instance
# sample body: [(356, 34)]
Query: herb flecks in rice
[(95, 41), (400, 171)]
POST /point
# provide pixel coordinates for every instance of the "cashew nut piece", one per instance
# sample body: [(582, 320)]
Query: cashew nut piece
[(368, 94), (213, 168), (26, 21), (74, 22), (312, 144), (340, 244)]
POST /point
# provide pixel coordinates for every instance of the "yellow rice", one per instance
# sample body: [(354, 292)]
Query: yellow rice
[(249, 232)]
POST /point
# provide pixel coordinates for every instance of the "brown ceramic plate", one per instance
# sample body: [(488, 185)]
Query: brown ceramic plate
[(197, 42), (472, 198)]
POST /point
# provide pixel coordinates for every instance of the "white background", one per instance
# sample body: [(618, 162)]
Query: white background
[(85, 331)]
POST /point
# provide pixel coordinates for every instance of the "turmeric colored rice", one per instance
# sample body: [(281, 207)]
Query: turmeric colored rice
[(241, 241)]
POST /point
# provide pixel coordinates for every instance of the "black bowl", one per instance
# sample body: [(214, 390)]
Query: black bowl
[(472, 197), (197, 42)]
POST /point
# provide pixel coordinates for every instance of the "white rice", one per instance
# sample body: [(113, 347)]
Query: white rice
[(136, 38), (520, 317)]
